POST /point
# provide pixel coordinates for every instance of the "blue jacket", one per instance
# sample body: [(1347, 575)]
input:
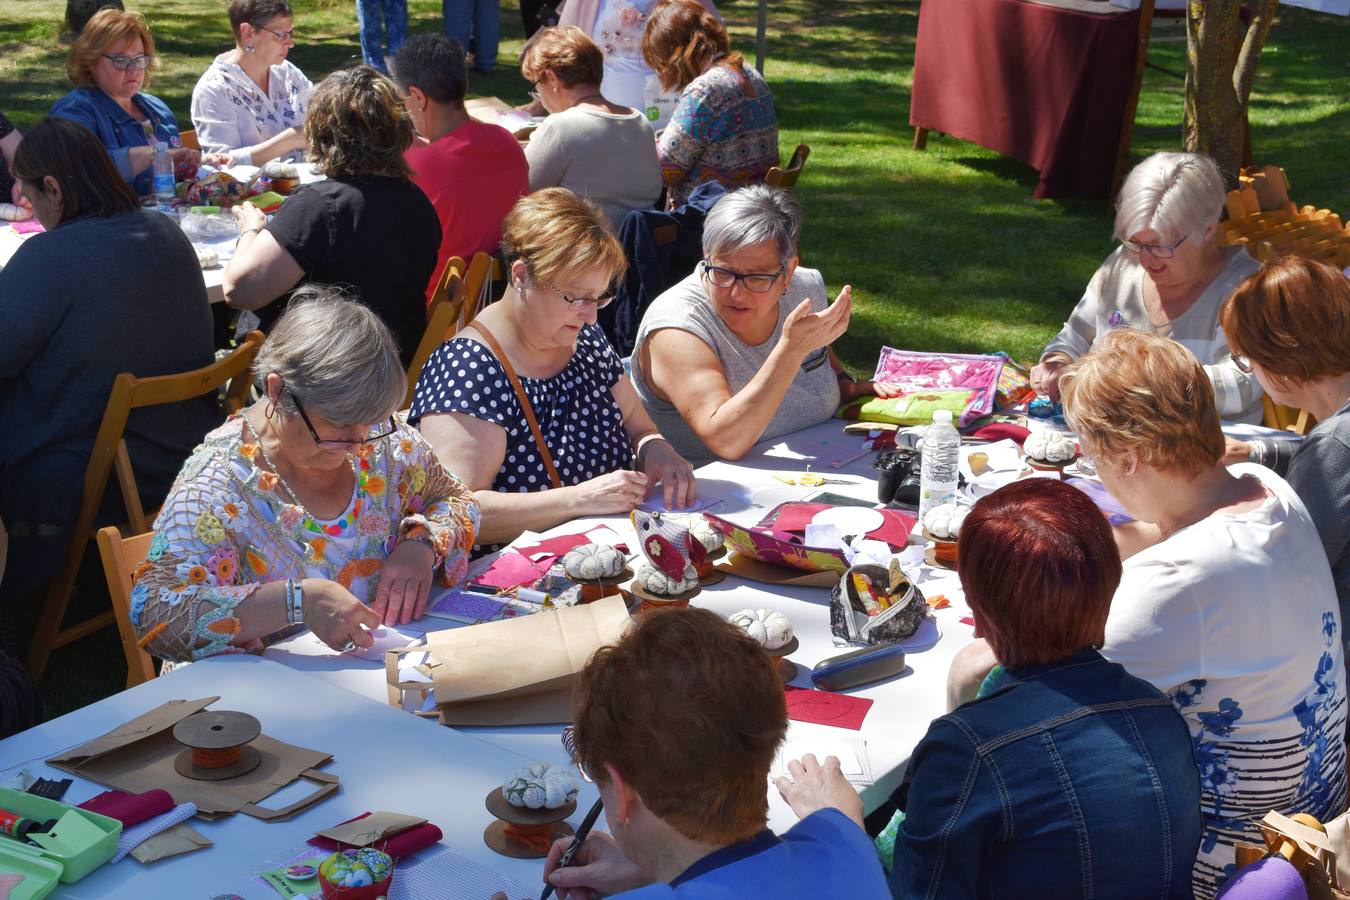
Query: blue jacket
[(1074, 779), (118, 131)]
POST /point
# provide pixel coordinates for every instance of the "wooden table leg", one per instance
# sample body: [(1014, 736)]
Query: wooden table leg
[(920, 138)]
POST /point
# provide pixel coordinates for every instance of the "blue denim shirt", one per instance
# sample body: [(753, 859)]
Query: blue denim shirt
[(118, 131), (1074, 779)]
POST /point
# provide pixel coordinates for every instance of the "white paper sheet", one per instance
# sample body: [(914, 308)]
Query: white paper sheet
[(385, 637), (852, 754), (448, 875)]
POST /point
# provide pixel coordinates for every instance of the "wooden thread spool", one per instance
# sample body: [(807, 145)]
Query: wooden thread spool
[(216, 745), (524, 833), (787, 669)]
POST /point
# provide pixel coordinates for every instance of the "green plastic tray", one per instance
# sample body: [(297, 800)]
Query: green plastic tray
[(40, 874), (80, 861)]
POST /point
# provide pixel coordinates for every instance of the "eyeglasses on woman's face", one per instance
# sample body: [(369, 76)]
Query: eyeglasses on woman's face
[(121, 62), (1157, 251), (755, 282), (342, 443), (281, 36), (581, 302), (1244, 365)]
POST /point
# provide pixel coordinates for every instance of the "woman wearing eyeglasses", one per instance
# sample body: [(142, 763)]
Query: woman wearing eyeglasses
[(529, 404), (313, 507), (1169, 276), (739, 351), (110, 63), (250, 103)]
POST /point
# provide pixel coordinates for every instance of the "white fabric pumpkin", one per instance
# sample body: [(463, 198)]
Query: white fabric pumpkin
[(540, 786), (1050, 447), (657, 582), (944, 522), (702, 530), (768, 627), (591, 562)]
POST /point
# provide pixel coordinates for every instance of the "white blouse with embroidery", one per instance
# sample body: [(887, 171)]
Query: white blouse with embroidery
[(230, 111)]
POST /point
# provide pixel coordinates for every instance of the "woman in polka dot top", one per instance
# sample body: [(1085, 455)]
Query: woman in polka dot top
[(608, 454)]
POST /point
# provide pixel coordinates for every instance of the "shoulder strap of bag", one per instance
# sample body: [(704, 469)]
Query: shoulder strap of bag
[(525, 405)]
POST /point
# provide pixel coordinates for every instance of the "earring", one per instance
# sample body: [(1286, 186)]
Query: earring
[(248, 47)]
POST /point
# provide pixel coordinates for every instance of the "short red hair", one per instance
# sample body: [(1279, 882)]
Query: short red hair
[(1039, 567), (1292, 317), (690, 711)]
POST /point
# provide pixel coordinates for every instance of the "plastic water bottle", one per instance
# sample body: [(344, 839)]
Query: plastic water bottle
[(941, 456), (163, 178)]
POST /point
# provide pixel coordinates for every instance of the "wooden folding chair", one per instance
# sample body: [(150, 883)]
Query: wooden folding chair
[(189, 139), (447, 305), (1286, 418), (110, 454), (120, 557), (787, 177), (484, 269)]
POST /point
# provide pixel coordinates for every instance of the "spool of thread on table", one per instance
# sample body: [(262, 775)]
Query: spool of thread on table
[(204, 758), (664, 604), (538, 838)]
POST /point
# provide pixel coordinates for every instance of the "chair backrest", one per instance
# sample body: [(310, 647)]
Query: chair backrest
[(447, 304), (1286, 418), (189, 139), (787, 177), (120, 557), (484, 269)]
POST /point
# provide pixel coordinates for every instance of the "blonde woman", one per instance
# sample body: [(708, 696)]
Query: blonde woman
[(597, 451)]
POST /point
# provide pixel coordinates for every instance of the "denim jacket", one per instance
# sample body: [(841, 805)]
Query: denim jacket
[(1073, 779), (118, 131)]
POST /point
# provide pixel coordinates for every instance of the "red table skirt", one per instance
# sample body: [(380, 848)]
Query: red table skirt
[(1043, 84)]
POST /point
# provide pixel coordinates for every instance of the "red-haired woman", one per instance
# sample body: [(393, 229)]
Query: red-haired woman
[(1068, 777)]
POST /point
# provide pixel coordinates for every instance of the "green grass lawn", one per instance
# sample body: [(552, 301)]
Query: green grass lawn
[(945, 248)]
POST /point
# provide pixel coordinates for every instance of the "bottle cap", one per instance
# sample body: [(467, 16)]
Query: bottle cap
[(942, 416)]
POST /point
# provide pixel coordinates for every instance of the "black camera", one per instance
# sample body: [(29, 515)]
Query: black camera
[(898, 478)]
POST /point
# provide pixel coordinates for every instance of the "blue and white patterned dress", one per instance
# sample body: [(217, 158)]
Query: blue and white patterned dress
[(231, 112), (1236, 618)]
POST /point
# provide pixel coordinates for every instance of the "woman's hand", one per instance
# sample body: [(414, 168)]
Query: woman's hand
[(851, 390), (247, 216), (17, 198), (813, 787), (335, 616), (217, 160), (1045, 378), (1235, 451), (659, 461), (614, 492), (598, 869), (185, 156), (805, 332), (405, 582)]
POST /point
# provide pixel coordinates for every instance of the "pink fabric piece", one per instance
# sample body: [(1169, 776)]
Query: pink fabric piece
[(511, 570), (913, 371), (130, 809), (827, 708), (401, 844), (794, 517), (27, 226)]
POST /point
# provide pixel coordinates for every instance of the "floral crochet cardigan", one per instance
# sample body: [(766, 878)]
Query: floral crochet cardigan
[(225, 531)]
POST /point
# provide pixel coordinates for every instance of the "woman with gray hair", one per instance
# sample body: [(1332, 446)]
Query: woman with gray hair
[(314, 507), (1169, 276), (740, 350)]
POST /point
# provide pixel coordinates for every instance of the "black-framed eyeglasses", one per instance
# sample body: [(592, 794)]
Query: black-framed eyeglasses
[(329, 442), (1158, 251), (598, 302), (755, 282), (534, 91), (282, 36), (1244, 365), (121, 62)]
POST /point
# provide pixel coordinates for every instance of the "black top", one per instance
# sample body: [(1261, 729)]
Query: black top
[(378, 236)]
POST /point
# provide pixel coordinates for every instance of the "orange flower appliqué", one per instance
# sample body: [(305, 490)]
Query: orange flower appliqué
[(358, 568), (197, 575), (375, 485), (248, 451), (224, 626), (256, 561), (267, 481)]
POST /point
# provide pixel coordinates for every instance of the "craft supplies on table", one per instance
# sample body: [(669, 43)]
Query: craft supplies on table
[(76, 840)]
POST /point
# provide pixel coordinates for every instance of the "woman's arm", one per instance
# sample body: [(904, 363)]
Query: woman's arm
[(656, 458), (437, 503), (283, 143), (261, 270), (682, 141)]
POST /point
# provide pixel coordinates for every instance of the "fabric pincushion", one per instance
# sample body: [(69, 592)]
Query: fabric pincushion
[(770, 628), (540, 786)]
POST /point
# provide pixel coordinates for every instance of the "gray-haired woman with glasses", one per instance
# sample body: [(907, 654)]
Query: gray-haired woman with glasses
[(529, 404), (739, 351), (1169, 276), (313, 507)]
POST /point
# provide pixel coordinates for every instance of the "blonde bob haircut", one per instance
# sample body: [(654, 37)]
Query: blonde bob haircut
[(1173, 194), (1136, 392), (1292, 317), (681, 38), (357, 125), (568, 53), (105, 30), (554, 231)]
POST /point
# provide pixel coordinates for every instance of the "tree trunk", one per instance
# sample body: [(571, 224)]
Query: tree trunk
[(1220, 69)]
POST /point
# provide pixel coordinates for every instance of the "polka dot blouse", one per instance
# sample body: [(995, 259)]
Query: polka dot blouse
[(582, 425)]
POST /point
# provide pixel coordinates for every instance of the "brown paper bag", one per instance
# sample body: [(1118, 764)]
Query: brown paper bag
[(513, 672), (138, 756)]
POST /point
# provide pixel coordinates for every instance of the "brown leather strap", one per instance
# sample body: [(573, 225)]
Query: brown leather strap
[(496, 348)]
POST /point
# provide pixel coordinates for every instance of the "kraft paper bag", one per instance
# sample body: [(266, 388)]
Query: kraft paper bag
[(516, 671), (139, 755)]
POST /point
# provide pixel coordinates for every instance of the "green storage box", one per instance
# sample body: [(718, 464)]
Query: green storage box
[(39, 873), (90, 841)]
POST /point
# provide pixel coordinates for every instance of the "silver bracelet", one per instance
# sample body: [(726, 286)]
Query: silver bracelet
[(1256, 453), (295, 602)]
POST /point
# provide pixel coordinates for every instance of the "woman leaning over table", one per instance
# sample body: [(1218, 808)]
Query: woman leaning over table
[(366, 225), (1289, 324), (684, 780), (1065, 759), (724, 127), (250, 102), (314, 506), (1169, 276), (739, 351), (1226, 603), (595, 434), (110, 63)]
